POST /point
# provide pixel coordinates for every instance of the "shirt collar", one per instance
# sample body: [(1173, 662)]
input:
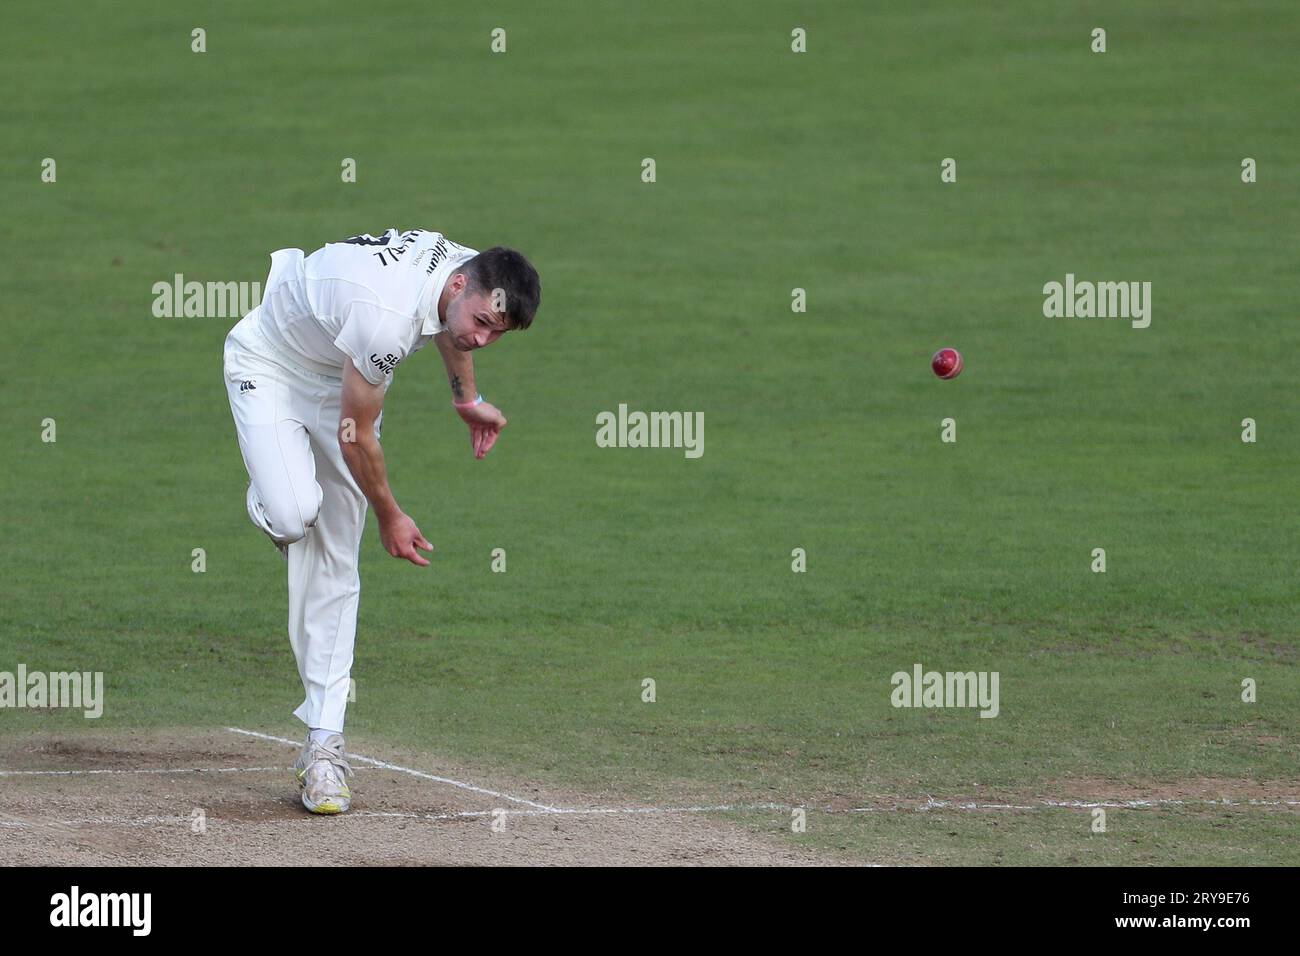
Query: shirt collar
[(428, 314)]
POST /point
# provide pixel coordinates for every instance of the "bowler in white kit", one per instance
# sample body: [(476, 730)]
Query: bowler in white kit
[(306, 373)]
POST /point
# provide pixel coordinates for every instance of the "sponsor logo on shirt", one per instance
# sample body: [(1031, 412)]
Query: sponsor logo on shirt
[(394, 253), (439, 253), (398, 244), (247, 387), (385, 364)]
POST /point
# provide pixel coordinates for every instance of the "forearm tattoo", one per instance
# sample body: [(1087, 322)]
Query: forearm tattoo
[(457, 389)]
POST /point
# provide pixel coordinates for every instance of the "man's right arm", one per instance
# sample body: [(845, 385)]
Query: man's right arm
[(361, 404)]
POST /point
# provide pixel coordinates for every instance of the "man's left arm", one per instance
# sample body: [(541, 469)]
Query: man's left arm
[(484, 419)]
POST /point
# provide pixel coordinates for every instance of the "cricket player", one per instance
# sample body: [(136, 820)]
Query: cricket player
[(306, 374)]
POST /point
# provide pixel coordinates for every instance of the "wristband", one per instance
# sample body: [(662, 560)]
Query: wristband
[(478, 400)]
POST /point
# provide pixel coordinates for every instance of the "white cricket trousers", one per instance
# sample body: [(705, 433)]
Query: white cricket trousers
[(287, 419)]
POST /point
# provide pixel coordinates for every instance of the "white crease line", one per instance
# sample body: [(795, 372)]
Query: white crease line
[(387, 814), (543, 809), (608, 811), (78, 773), (385, 765), (585, 811), (568, 811), (94, 821), (932, 804)]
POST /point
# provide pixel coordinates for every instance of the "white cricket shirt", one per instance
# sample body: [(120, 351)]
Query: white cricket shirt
[(372, 300)]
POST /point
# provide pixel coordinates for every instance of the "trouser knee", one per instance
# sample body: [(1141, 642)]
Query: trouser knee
[(290, 515)]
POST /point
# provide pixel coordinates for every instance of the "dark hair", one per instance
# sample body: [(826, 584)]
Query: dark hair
[(508, 270)]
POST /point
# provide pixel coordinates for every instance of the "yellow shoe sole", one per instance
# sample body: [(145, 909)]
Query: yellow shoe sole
[(327, 808)]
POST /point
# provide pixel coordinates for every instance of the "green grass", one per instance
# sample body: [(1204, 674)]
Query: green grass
[(775, 171), (1215, 836)]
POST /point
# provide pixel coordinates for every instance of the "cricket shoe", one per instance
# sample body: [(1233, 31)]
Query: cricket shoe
[(257, 514), (322, 772)]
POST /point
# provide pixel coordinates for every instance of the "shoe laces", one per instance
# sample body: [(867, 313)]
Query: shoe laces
[(321, 752)]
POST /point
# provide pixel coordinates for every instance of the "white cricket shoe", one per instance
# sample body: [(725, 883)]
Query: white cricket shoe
[(322, 771), (257, 514)]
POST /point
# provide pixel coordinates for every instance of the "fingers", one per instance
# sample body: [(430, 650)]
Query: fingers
[(406, 550), (418, 540), (482, 438), (483, 434), (410, 554)]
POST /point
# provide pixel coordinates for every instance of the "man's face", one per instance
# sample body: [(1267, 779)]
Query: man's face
[(470, 322)]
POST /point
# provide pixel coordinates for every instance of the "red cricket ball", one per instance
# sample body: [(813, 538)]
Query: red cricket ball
[(947, 363)]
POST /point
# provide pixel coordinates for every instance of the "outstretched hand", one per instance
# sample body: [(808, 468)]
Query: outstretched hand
[(401, 538), (485, 422)]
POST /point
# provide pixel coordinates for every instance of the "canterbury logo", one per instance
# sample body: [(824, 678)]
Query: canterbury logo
[(247, 386)]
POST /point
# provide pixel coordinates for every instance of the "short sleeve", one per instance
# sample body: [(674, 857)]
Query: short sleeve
[(375, 338)]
